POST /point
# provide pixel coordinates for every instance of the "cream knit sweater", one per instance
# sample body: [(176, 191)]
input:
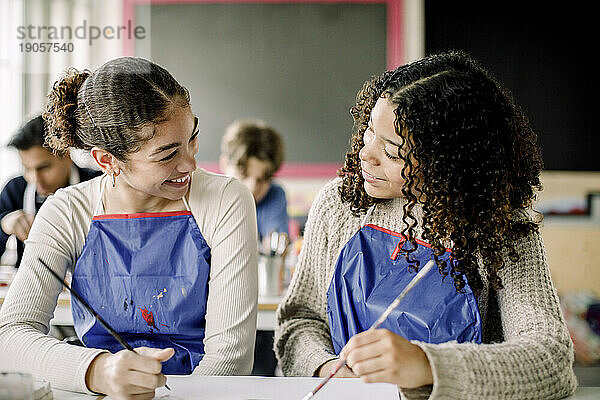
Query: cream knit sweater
[(526, 352), (224, 211)]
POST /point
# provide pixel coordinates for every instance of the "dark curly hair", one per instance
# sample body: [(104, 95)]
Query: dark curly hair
[(471, 160)]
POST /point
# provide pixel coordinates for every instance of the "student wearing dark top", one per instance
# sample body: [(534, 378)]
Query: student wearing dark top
[(44, 173)]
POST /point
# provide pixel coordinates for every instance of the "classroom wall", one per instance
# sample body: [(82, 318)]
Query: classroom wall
[(542, 53), (571, 241), (298, 66)]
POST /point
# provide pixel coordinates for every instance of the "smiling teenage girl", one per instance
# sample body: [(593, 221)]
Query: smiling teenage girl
[(443, 166), (164, 252)]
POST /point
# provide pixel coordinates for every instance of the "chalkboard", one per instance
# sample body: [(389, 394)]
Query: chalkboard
[(543, 53), (296, 66)]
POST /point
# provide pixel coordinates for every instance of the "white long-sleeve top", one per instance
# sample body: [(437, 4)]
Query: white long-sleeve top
[(225, 213)]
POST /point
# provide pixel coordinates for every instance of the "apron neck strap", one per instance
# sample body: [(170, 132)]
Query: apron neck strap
[(367, 215)]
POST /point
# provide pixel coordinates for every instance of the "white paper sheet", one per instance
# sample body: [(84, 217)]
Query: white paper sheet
[(261, 388)]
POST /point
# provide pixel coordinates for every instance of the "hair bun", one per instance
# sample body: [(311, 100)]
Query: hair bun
[(60, 116)]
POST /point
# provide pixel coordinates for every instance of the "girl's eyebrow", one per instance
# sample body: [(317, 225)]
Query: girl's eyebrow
[(164, 148), (174, 144)]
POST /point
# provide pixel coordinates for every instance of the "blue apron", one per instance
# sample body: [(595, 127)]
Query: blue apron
[(371, 271), (147, 276)]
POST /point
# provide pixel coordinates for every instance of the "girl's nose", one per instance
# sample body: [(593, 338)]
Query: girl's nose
[(188, 164), (368, 153)]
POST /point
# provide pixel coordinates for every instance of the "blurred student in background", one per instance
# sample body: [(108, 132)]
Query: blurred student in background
[(44, 173), (252, 152)]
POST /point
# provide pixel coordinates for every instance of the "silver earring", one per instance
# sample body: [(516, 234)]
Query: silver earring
[(114, 179)]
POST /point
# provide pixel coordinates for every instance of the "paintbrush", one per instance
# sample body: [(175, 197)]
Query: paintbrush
[(376, 324), (94, 313)]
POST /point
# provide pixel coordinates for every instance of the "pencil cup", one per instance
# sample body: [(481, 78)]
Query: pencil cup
[(269, 275), (16, 386)]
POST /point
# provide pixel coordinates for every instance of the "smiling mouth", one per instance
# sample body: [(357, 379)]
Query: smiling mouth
[(179, 181), (370, 178)]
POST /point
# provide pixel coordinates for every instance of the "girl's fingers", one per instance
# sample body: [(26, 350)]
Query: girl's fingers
[(157, 354), (376, 343), (367, 337), (164, 354), (345, 372), (364, 352), (360, 339), (378, 376), (146, 381), (138, 362), (369, 366)]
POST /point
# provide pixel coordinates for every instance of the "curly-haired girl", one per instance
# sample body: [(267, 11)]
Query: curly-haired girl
[(443, 166)]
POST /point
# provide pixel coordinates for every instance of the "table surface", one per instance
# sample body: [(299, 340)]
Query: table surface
[(262, 388)]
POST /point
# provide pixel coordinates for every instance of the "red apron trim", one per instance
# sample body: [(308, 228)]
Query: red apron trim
[(419, 241), (142, 215), (397, 249)]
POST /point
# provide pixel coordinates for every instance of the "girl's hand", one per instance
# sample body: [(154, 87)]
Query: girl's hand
[(127, 375), (382, 356), (326, 369)]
